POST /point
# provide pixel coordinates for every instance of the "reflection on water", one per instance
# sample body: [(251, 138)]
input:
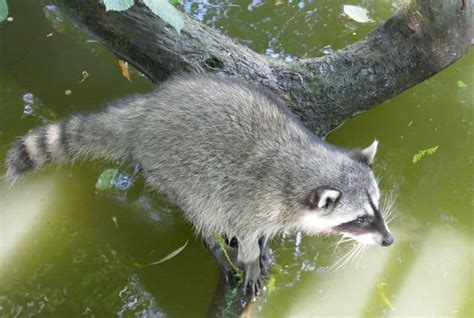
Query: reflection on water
[(437, 283), (66, 255), (288, 29), (20, 208), (342, 292), (69, 250)]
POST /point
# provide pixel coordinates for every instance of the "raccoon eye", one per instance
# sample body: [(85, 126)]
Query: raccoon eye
[(361, 220)]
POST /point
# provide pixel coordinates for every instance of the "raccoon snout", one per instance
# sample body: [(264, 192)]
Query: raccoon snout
[(388, 240)]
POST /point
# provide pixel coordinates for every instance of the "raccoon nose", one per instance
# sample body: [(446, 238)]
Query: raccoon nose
[(388, 240)]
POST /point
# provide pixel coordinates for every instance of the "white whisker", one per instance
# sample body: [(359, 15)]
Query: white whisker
[(355, 255), (347, 257), (341, 261), (390, 220), (387, 206), (342, 241), (378, 178), (361, 255)]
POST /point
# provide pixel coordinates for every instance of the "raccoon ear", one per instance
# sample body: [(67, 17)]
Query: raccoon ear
[(321, 197), (367, 155)]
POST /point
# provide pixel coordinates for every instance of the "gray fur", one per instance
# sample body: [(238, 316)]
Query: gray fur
[(229, 154)]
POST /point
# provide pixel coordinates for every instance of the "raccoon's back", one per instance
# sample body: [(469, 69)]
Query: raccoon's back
[(203, 119), (203, 136)]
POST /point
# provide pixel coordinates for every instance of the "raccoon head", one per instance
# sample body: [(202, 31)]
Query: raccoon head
[(349, 203)]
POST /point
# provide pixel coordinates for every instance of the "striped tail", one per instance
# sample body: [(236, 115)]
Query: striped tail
[(100, 135)]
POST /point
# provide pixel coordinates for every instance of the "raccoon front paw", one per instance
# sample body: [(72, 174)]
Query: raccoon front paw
[(223, 255), (252, 283)]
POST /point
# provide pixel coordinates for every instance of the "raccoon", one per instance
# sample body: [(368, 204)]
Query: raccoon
[(232, 157)]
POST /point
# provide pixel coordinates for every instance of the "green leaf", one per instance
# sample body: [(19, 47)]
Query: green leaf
[(3, 10), (118, 5), (164, 259), (426, 152), (167, 12), (175, 3), (461, 84), (107, 179)]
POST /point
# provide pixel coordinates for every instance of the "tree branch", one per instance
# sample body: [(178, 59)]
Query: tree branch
[(419, 40)]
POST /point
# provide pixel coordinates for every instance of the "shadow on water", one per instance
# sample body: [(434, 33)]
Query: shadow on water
[(68, 250)]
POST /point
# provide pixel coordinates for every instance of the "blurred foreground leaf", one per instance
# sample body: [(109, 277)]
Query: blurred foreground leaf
[(167, 12), (461, 84), (118, 5), (3, 10), (357, 13)]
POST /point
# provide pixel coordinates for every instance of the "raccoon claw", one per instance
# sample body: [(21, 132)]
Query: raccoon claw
[(252, 283), (252, 289)]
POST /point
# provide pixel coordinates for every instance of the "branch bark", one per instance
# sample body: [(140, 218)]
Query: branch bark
[(419, 40)]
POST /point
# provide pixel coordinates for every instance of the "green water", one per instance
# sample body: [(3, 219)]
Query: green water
[(68, 251)]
